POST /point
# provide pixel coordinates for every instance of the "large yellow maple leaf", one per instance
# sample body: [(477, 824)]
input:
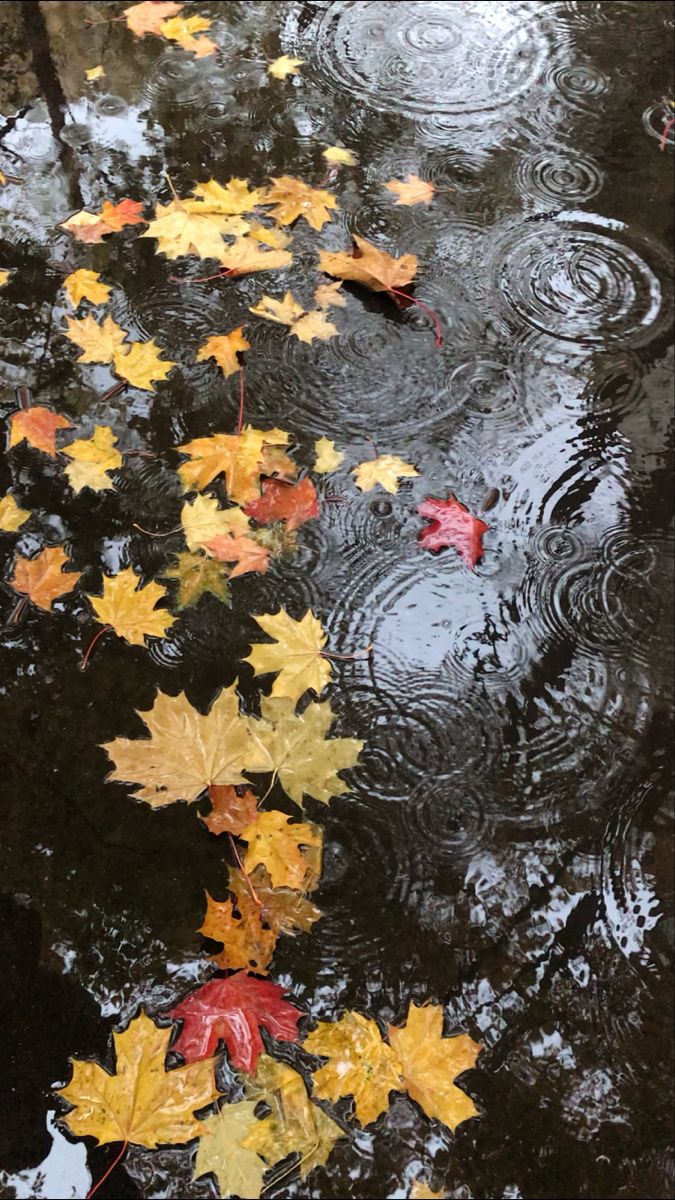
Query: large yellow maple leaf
[(239, 457), (360, 1064), (374, 268), (293, 198), (183, 30), (99, 343), (140, 364), (186, 751), (290, 852), (232, 200), (92, 459), (294, 1124), (180, 230), (221, 1151), (295, 655), (304, 759), (142, 1102), (42, 579), (130, 610), (430, 1064), (86, 285)]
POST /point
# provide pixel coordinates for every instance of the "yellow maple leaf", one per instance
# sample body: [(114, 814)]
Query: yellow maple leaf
[(285, 65), (4, 277), (235, 198), (430, 1063), (239, 1171), (92, 458), (276, 239), (303, 325), (140, 364), (85, 285), (99, 343), (360, 1064), (412, 190), (183, 29), (42, 578), (142, 1103), (293, 198), (191, 227), (374, 268), (296, 654), (304, 759), (12, 516), (289, 851), (327, 457), (147, 17), (329, 295), (130, 610), (294, 1124), (224, 348), (421, 1191), (239, 457), (203, 520), (187, 752), (385, 470), (337, 156), (244, 256), (94, 73)]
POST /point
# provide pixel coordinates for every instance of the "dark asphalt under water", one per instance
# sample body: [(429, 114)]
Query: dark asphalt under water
[(507, 845)]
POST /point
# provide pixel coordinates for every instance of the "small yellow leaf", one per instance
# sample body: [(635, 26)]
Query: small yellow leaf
[(99, 343), (222, 1152), (130, 609), (338, 156), (140, 364), (285, 65), (277, 843), (330, 295), (283, 312), (412, 191), (313, 325), (327, 457), (12, 516), (276, 239), (94, 73), (385, 470), (245, 256), (295, 653), (203, 520), (86, 285), (4, 277), (224, 348), (92, 458), (421, 1191), (183, 29)]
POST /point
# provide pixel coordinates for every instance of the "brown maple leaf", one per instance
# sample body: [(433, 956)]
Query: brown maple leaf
[(374, 268), (231, 811), (238, 924)]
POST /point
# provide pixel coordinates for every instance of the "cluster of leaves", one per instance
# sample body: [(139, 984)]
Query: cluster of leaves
[(235, 758)]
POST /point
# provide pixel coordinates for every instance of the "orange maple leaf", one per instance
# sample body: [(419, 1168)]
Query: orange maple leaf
[(125, 212), (230, 812), (41, 579), (247, 554), (148, 16), (38, 427)]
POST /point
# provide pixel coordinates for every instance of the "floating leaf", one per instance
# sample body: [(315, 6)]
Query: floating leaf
[(235, 198), (290, 852), (303, 758), (93, 227), (42, 578), (294, 1125), (197, 575), (86, 285), (452, 525), (38, 427), (100, 343), (125, 212), (187, 752), (239, 1171), (130, 610), (230, 811), (149, 16), (295, 656), (94, 73), (246, 942), (337, 156), (4, 277), (327, 457), (285, 65), (140, 364), (224, 348), (385, 470), (203, 520), (330, 295), (374, 268), (188, 228), (234, 1009), (244, 256), (303, 325), (293, 198), (92, 459), (12, 516), (412, 190), (284, 909), (292, 503), (142, 1103), (241, 458), (183, 30), (430, 1063), (247, 554), (421, 1191), (360, 1064)]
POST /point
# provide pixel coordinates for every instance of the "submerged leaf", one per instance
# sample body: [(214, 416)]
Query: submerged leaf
[(197, 574), (412, 190), (294, 1125), (92, 459)]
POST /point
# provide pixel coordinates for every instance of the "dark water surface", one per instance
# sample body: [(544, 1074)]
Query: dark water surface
[(506, 846)]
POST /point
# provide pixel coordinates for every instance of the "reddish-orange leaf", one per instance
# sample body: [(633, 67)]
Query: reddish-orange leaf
[(42, 578), (247, 554), (452, 525), (230, 812), (125, 212), (38, 427), (246, 942), (293, 503)]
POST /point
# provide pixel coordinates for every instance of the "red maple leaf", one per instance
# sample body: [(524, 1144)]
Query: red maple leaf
[(293, 503), (452, 525), (234, 1009)]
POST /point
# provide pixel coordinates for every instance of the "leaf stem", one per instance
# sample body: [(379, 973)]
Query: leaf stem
[(156, 532), (666, 130), (90, 647), (425, 308), (222, 274), (347, 657), (17, 612), (108, 1172), (254, 895), (240, 419)]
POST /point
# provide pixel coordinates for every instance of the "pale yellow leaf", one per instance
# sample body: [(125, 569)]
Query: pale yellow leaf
[(130, 610), (94, 73), (92, 458), (327, 457), (12, 516), (412, 190), (140, 364), (222, 1151), (338, 156), (285, 65), (99, 343), (294, 656), (386, 470), (203, 520)]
